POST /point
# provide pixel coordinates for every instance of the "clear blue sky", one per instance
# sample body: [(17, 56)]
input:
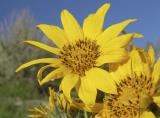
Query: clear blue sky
[(47, 11)]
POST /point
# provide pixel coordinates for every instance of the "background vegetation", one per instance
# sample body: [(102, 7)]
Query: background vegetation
[(19, 91)]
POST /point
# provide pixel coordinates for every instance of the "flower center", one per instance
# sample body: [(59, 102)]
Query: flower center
[(81, 56), (133, 97)]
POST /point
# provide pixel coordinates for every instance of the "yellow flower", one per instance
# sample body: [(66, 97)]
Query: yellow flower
[(137, 85), (41, 111), (58, 100), (50, 110), (78, 104), (81, 51), (52, 98)]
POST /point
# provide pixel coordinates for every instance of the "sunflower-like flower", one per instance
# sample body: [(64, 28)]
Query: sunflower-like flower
[(138, 81), (41, 111), (81, 51), (44, 111), (57, 104)]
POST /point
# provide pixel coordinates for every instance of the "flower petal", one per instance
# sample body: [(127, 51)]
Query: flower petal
[(89, 108), (53, 61), (118, 42), (156, 72), (139, 55), (52, 98), (41, 70), (71, 26), (136, 62), (103, 80), (113, 31), (87, 91), (112, 56), (104, 113), (54, 33), (147, 114), (55, 74), (120, 71), (138, 65), (93, 24), (68, 82), (151, 54), (44, 47), (156, 99)]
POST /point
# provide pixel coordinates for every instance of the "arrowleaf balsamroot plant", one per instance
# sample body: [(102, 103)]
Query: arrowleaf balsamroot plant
[(137, 84), (129, 85)]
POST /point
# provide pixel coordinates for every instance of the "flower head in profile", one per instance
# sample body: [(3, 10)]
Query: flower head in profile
[(81, 51), (57, 103), (137, 85)]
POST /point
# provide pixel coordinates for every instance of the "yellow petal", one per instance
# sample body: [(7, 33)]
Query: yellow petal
[(112, 56), (151, 54), (104, 113), (54, 33), (136, 62), (144, 60), (103, 80), (113, 31), (68, 82), (87, 91), (156, 99), (52, 98), (93, 24), (89, 108), (55, 74), (63, 103), (121, 70), (71, 26), (147, 114), (118, 42), (53, 61), (121, 41), (138, 35), (156, 72), (44, 47), (41, 70)]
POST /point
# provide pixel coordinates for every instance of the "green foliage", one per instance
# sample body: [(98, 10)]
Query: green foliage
[(17, 88), (12, 50)]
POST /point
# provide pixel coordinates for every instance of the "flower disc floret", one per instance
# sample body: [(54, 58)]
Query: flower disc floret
[(81, 56), (134, 95)]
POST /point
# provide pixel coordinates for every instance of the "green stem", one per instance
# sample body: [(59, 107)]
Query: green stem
[(85, 114)]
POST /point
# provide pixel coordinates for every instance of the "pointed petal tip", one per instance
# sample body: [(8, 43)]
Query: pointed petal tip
[(132, 20), (17, 70), (128, 21), (151, 49), (135, 35), (28, 41), (64, 11), (39, 26), (106, 5), (40, 83)]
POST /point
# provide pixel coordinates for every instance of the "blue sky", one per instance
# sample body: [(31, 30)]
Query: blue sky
[(47, 11)]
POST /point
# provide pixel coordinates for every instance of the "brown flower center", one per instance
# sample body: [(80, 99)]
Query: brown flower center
[(133, 97), (81, 56)]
